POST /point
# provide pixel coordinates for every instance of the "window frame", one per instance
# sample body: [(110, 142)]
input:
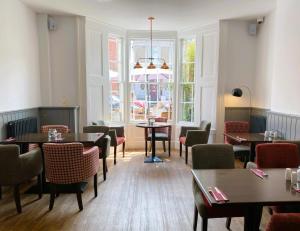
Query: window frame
[(122, 79), (129, 82), (180, 83)]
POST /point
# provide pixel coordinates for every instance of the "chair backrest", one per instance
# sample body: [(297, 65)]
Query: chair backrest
[(66, 164), (163, 120), (96, 129), (277, 155), (59, 128), (9, 161), (212, 156), (297, 142), (205, 125), (236, 127)]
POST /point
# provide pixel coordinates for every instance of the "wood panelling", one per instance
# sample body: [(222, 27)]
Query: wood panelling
[(287, 125), (5, 117), (135, 196)]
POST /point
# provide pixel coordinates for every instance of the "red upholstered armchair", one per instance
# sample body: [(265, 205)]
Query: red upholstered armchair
[(284, 222), (277, 155), (71, 164), (237, 127), (117, 135), (161, 134)]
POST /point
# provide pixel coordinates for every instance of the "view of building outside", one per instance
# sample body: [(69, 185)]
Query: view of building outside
[(151, 90), (187, 80), (116, 78)]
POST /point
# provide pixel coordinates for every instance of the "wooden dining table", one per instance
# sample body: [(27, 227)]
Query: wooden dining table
[(246, 190), (87, 139), (251, 139)]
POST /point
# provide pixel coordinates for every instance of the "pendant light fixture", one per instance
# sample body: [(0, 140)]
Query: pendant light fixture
[(150, 59)]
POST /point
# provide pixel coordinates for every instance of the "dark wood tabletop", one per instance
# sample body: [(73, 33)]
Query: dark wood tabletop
[(40, 138), (242, 187), (250, 137), (154, 125)]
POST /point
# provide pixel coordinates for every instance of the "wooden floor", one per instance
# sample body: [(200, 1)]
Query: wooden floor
[(135, 196)]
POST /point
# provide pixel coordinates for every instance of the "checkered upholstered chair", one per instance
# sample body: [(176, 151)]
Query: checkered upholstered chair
[(212, 156), (71, 164), (161, 134), (45, 128), (16, 169), (190, 136), (117, 135), (242, 151), (284, 221), (103, 144)]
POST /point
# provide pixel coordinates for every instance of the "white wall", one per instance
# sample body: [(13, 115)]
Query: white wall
[(264, 63), (19, 58), (238, 54), (286, 74)]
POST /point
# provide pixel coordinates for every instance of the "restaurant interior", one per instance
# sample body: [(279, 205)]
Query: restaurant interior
[(149, 115)]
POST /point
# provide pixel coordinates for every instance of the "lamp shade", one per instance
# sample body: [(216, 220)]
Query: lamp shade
[(237, 92)]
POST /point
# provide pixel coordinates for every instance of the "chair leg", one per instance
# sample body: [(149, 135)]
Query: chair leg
[(115, 155), (180, 149), (79, 198), (186, 154), (123, 149), (40, 185), (195, 218), (104, 168), (164, 145), (169, 142), (52, 195), (146, 148), (228, 222), (17, 198), (96, 184), (204, 224)]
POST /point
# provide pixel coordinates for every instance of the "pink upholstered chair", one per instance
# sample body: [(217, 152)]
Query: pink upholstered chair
[(71, 164), (117, 135), (238, 127), (161, 134)]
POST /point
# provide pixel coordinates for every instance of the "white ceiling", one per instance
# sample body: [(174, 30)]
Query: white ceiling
[(169, 14)]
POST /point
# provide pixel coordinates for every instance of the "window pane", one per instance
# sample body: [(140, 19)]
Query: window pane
[(188, 51), (137, 110), (187, 92), (187, 112), (152, 92), (187, 72), (138, 91)]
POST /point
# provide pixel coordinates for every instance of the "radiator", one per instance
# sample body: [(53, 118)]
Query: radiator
[(22, 126)]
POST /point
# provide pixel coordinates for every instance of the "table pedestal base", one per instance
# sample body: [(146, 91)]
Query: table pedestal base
[(153, 160)]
